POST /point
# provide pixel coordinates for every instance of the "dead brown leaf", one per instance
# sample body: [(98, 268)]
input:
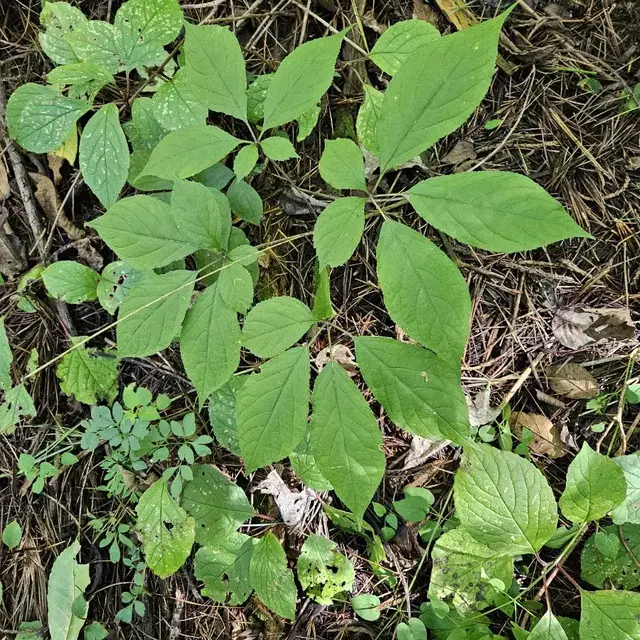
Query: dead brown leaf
[(463, 151), (45, 194), (547, 440), (5, 189), (576, 327), (55, 164), (572, 381), (339, 353)]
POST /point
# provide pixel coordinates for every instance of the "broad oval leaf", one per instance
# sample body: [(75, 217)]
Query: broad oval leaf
[(142, 231), (245, 161), (345, 439), (245, 201), (342, 165), (95, 42), (143, 130), (85, 79), (436, 90), (219, 506), (629, 510), (151, 314), (301, 80), (210, 342), (503, 501), (59, 19), (420, 391), (274, 325), (67, 582), (548, 628), (278, 148), (104, 155), (272, 409), (399, 42), (595, 485), (183, 153), (71, 281), (175, 106), (271, 578), (609, 614), (215, 68), (338, 230), (166, 548), (236, 287), (12, 534), (494, 210), (424, 292)]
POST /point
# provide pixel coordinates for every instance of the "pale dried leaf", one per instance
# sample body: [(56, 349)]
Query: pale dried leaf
[(5, 189), (55, 164), (480, 410), (572, 381), (576, 327), (421, 450), (547, 440), (45, 194), (291, 504), (338, 353)]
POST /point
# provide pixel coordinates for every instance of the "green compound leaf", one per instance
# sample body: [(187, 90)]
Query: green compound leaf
[(151, 314), (210, 342), (619, 566), (595, 485), (278, 148), (462, 571), (95, 42), (12, 534), (304, 465), (503, 501), (202, 215), (142, 27), (88, 374), (301, 80), (342, 165), (368, 116), (39, 119), (245, 201), (143, 232), (273, 407), (323, 572), (67, 581), (219, 506), (424, 292), (236, 288), (224, 569), (436, 90), (610, 614), (183, 153), (222, 413), (629, 510), (399, 42), (104, 155), (115, 281), (494, 210), (345, 439), (59, 19), (17, 405), (71, 281), (271, 578), (165, 547), (143, 130), (245, 161), (420, 391), (85, 78), (216, 70), (548, 628), (175, 106), (276, 324), (6, 358)]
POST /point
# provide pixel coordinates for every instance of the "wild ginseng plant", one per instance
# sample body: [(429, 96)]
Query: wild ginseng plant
[(168, 153)]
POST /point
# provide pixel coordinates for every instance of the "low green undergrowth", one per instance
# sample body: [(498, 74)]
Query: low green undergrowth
[(186, 273)]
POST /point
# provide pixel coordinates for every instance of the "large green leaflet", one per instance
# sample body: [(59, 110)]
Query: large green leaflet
[(338, 230), (271, 578), (219, 506), (503, 501), (166, 531), (71, 281), (342, 165), (67, 581), (104, 155), (95, 42), (210, 342), (610, 614), (273, 407), (629, 510), (215, 68), (175, 105), (346, 439), (424, 292), (420, 391), (435, 91), (494, 210), (595, 486), (151, 314)]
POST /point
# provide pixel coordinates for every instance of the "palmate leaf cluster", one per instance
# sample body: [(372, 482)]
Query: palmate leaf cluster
[(190, 207)]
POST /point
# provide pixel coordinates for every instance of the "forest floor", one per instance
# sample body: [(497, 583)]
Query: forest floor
[(562, 94)]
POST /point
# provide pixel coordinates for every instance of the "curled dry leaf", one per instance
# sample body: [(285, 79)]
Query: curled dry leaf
[(291, 504), (5, 189), (421, 450), (480, 410), (338, 353), (572, 381), (576, 327), (547, 440)]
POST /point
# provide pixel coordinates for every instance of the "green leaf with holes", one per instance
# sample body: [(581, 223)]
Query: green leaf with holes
[(115, 281), (95, 42), (17, 404), (71, 281), (58, 20)]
